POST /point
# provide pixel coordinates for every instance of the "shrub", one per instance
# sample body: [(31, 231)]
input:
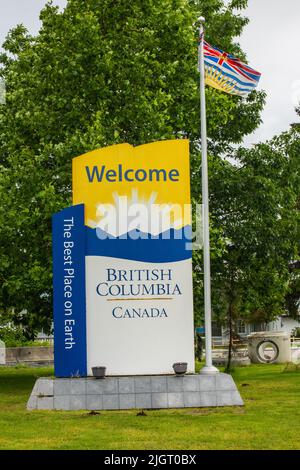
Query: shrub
[(13, 336)]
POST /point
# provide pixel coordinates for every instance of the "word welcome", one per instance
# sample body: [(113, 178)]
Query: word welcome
[(99, 174)]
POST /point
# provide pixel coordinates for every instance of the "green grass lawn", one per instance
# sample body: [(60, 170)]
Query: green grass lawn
[(269, 420)]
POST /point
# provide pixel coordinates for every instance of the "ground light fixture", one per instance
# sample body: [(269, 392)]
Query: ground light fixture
[(180, 368), (99, 372)]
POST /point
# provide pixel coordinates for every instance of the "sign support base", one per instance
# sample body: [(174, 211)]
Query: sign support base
[(135, 392)]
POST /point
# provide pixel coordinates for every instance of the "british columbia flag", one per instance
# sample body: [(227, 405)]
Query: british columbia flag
[(227, 73)]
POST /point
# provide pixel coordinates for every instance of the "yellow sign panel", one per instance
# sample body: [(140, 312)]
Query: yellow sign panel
[(156, 173)]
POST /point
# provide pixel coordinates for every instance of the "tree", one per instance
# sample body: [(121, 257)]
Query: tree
[(256, 203), (99, 73)]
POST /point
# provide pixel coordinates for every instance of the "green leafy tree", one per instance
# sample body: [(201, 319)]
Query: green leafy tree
[(100, 73), (256, 205)]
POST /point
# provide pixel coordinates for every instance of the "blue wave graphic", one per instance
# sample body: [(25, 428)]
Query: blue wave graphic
[(166, 247)]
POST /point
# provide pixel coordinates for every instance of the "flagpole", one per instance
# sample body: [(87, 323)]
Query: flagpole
[(208, 368)]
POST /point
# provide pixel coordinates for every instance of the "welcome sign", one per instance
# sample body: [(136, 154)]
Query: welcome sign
[(122, 263)]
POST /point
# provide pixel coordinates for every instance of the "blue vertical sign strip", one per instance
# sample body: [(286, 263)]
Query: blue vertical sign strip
[(68, 236)]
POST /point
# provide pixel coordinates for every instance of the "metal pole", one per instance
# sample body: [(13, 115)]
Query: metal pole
[(208, 368)]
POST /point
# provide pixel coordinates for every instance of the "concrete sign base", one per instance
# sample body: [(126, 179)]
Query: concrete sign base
[(134, 392)]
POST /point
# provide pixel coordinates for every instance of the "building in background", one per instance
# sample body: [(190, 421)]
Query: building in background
[(282, 323)]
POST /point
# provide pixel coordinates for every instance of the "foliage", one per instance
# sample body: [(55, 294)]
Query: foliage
[(97, 74), (254, 206), (15, 337), (12, 336), (296, 332)]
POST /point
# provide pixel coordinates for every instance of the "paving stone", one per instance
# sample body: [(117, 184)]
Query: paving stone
[(35, 388), (175, 400), (192, 399), (140, 392), (62, 387), (207, 382), (159, 400), (224, 398), (127, 401), (110, 385), (237, 399), (110, 402), (94, 402), (228, 398), (159, 384), (78, 402), (45, 403), (191, 383), (46, 387), (142, 384), (32, 403), (143, 400), (78, 387), (175, 384), (126, 385), (62, 402), (208, 399), (94, 386), (225, 382), (43, 386)]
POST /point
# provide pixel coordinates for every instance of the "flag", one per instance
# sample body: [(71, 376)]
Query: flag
[(227, 73)]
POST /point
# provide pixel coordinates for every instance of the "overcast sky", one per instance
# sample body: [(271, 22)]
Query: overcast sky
[(271, 42)]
